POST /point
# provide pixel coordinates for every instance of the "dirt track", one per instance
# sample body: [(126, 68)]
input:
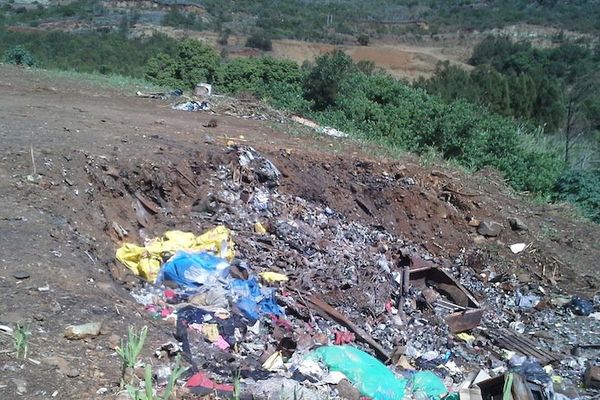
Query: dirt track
[(58, 227)]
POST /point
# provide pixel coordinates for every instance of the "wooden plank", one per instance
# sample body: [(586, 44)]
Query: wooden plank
[(334, 315)]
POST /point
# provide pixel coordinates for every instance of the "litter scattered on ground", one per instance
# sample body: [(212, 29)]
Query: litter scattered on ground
[(192, 106), (310, 301)]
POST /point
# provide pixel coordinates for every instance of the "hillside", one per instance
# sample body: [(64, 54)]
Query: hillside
[(77, 156)]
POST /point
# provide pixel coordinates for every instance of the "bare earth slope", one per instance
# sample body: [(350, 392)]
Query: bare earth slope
[(96, 148)]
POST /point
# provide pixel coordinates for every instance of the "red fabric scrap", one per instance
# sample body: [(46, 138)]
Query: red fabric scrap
[(282, 323), (343, 337), (200, 379), (388, 306), (166, 312)]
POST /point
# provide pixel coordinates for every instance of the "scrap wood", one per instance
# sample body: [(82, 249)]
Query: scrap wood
[(447, 189), (187, 178), (334, 315), (149, 204), (516, 342)]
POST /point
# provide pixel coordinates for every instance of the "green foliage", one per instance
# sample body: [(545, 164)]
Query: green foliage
[(260, 40), (107, 53), (177, 19), (130, 350), (256, 75), (583, 189), (363, 39), (193, 62), (19, 55), (516, 79), (323, 82), (21, 336)]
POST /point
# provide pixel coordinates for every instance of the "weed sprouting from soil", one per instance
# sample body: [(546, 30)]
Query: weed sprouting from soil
[(21, 340)]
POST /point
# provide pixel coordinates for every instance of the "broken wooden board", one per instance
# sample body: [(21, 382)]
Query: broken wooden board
[(521, 344), (334, 315), (464, 320)]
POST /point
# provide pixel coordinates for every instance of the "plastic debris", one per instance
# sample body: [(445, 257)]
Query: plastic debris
[(273, 277), (192, 106), (518, 247), (581, 306), (200, 379), (370, 376), (193, 269), (259, 228), (146, 261), (274, 362)]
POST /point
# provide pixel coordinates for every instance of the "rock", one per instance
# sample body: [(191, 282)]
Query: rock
[(21, 386), (347, 391), (489, 228), (58, 362), (114, 341), (83, 331), (592, 377), (72, 373), (21, 275), (517, 224), (281, 388)]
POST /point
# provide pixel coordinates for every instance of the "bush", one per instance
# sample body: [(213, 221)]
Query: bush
[(324, 79), (581, 188), (363, 40), (19, 55), (260, 40), (193, 62)]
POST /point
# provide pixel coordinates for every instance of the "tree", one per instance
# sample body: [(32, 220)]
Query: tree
[(194, 62), (582, 112), (324, 80), (260, 40), (19, 55)]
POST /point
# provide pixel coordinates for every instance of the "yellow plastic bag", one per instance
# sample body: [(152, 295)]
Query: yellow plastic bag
[(273, 277), (146, 261)]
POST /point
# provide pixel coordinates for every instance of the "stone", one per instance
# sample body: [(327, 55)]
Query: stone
[(347, 391), (114, 341), (517, 224), (20, 275), (21, 386), (72, 373), (83, 331), (592, 377), (489, 228)]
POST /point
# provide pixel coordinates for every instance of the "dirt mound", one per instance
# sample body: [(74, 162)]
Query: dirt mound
[(86, 169)]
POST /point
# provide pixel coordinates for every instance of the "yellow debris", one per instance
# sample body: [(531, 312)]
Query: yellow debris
[(259, 228), (211, 331), (273, 277), (146, 261), (466, 337), (274, 362)]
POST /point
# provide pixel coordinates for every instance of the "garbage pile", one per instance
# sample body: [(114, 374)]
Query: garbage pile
[(286, 297)]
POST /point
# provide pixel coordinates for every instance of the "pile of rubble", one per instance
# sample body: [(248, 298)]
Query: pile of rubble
[(283, 291)]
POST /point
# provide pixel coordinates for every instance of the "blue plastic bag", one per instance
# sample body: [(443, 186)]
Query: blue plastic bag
[(253, 300), (189, 269)]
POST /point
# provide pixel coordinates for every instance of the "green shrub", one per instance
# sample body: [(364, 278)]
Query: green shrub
[(256, 75), (260, 40), (582, 188), (19, 55), (193, 62)]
